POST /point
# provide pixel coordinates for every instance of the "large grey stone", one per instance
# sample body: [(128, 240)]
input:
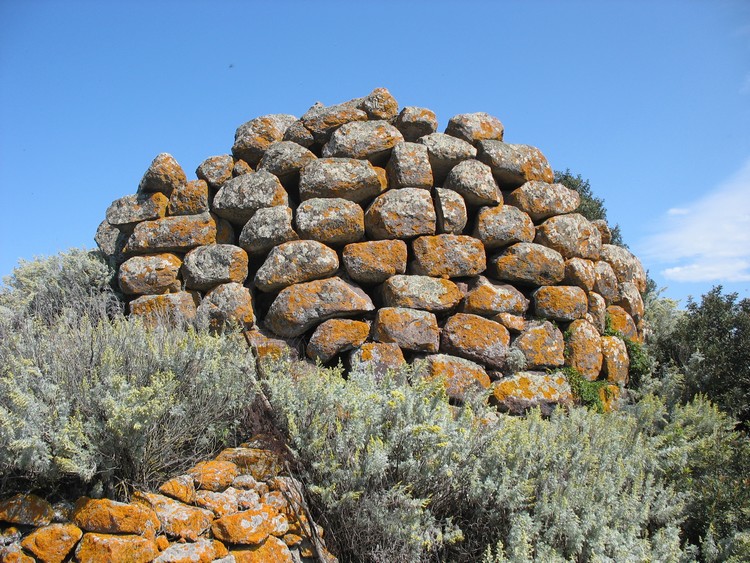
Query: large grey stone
[(514, 165), (414, 122), (333, 221), (571, 235), (502, 225), (379, 104), (450, 210), (172, 234), (475, 338), (541, 200), (488, 298), (163, 175), (475, 127), (300, 307), (253, 137), (371, 140), (403, 213), (132, 209), (625, 265), (269, 227), (214, 264), (347, 178), (285, 159), (149, 275), (226, 304), (239, 198), (374, 261), (445, 152), (436, 295), (411, 329), (409, 167), (322, 120), (529, 264), (448, 256), (296, 261), (216, 170), (474, 181)]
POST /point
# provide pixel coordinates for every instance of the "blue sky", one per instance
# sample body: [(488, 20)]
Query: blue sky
[(648, 100)]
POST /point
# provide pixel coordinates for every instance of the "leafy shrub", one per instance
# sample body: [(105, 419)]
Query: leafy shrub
[(77, 281), (585, 392), (89, 398), (710, 344), (401, 475)]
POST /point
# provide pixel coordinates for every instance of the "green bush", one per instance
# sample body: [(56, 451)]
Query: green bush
[(91, 399), (401, 475)]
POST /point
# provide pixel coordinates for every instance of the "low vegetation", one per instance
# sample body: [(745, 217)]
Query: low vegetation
[(91, 401)]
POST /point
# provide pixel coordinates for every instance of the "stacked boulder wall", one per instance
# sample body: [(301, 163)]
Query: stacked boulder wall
[(359, 233)]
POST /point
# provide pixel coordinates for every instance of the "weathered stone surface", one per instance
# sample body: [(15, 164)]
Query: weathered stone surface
[(542, 344), (151, 274), (261, 464), (172, 234), (584, 349), (251, 526), (272, 550), (190, 199), (269, 227), (335, 336), (13, 553), (239, 198), (627, 268), (606, 282), (541, 200), (111, 241), (181, 488), (436, 295), (616, 362), (445, 152), (214, 475), (241, 168), (26, 509), (604, 230), (138, 207), (245, 498), (296, 261), (374, 261), (459, 374), (529, 264), (211, 265), (177, 519), (488, 298), (500, 226), (252, 138), (475, 127), (322, 121), (597, 311), (448, 256), (111, 517), (571, 235), (409, 167), (267, 347), (301, 306), (331, 221), (201, 551), (221, 504), (163, 175), (514, 165), (403, 213), (631, 300), (347, 178), (560, 302), (52, 543), (216, 170), (95, 548), (411, 329), (474, 181), (450, 210), (379, 104), (371, 140), (476, 338), (226, 304), (298, 133), (414, 122), (376, 359), (514, 323), (165, 307), (526, 390), (580, 272), (224, 230), (622, 322), (285, 159)]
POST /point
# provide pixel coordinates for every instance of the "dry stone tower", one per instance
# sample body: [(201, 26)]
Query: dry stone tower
[(358, 233)]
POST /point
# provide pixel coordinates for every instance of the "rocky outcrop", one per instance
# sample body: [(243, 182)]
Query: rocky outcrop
[(361, 233), (238, 504)]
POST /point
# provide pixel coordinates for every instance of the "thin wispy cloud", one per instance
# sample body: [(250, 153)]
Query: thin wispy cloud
[(707, 240)]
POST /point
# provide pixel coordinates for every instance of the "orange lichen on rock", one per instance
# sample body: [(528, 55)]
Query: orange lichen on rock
[(111, 517), (335, 336), (26, 509), (525, 390), (375, 261), (261, 464), (411, 329), (169, 306), (172, 234), (52, 543), (247, 527), (616, 362), (459, 374), (584, 349), (542, 345), (272, 550), (214, 475), (448, 256), (560, 302), (623, 323), (177, 519), (476, 338), (97, 548)]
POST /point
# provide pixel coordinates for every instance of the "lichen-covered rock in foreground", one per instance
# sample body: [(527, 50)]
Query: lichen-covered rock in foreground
[(172, 234), (445, 152), (488, 298), (333, 221), (163, 175), (450, 211), (542, 345), (347, 178), (27, 510), (503, 225), (149, 275), (106, 547), (526, 390), (563, 303), (375, 261), (541, 200), (296, 261), (421, 292), (475, 127), (208, 266), (52, 543), (226, 304), (474, 181), (401, 214), (414, 122), (584, 349), (133, 209), (376, 359), (370, 140), (239, 198), (253, 138), (514, 165), (571, 235), (529, 264), (459, 374), (411, 329), (448, 256), (301, 306), (335, 336), (476, 338), (269, 227), (409, 167), (615, 363), (167, 307)]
